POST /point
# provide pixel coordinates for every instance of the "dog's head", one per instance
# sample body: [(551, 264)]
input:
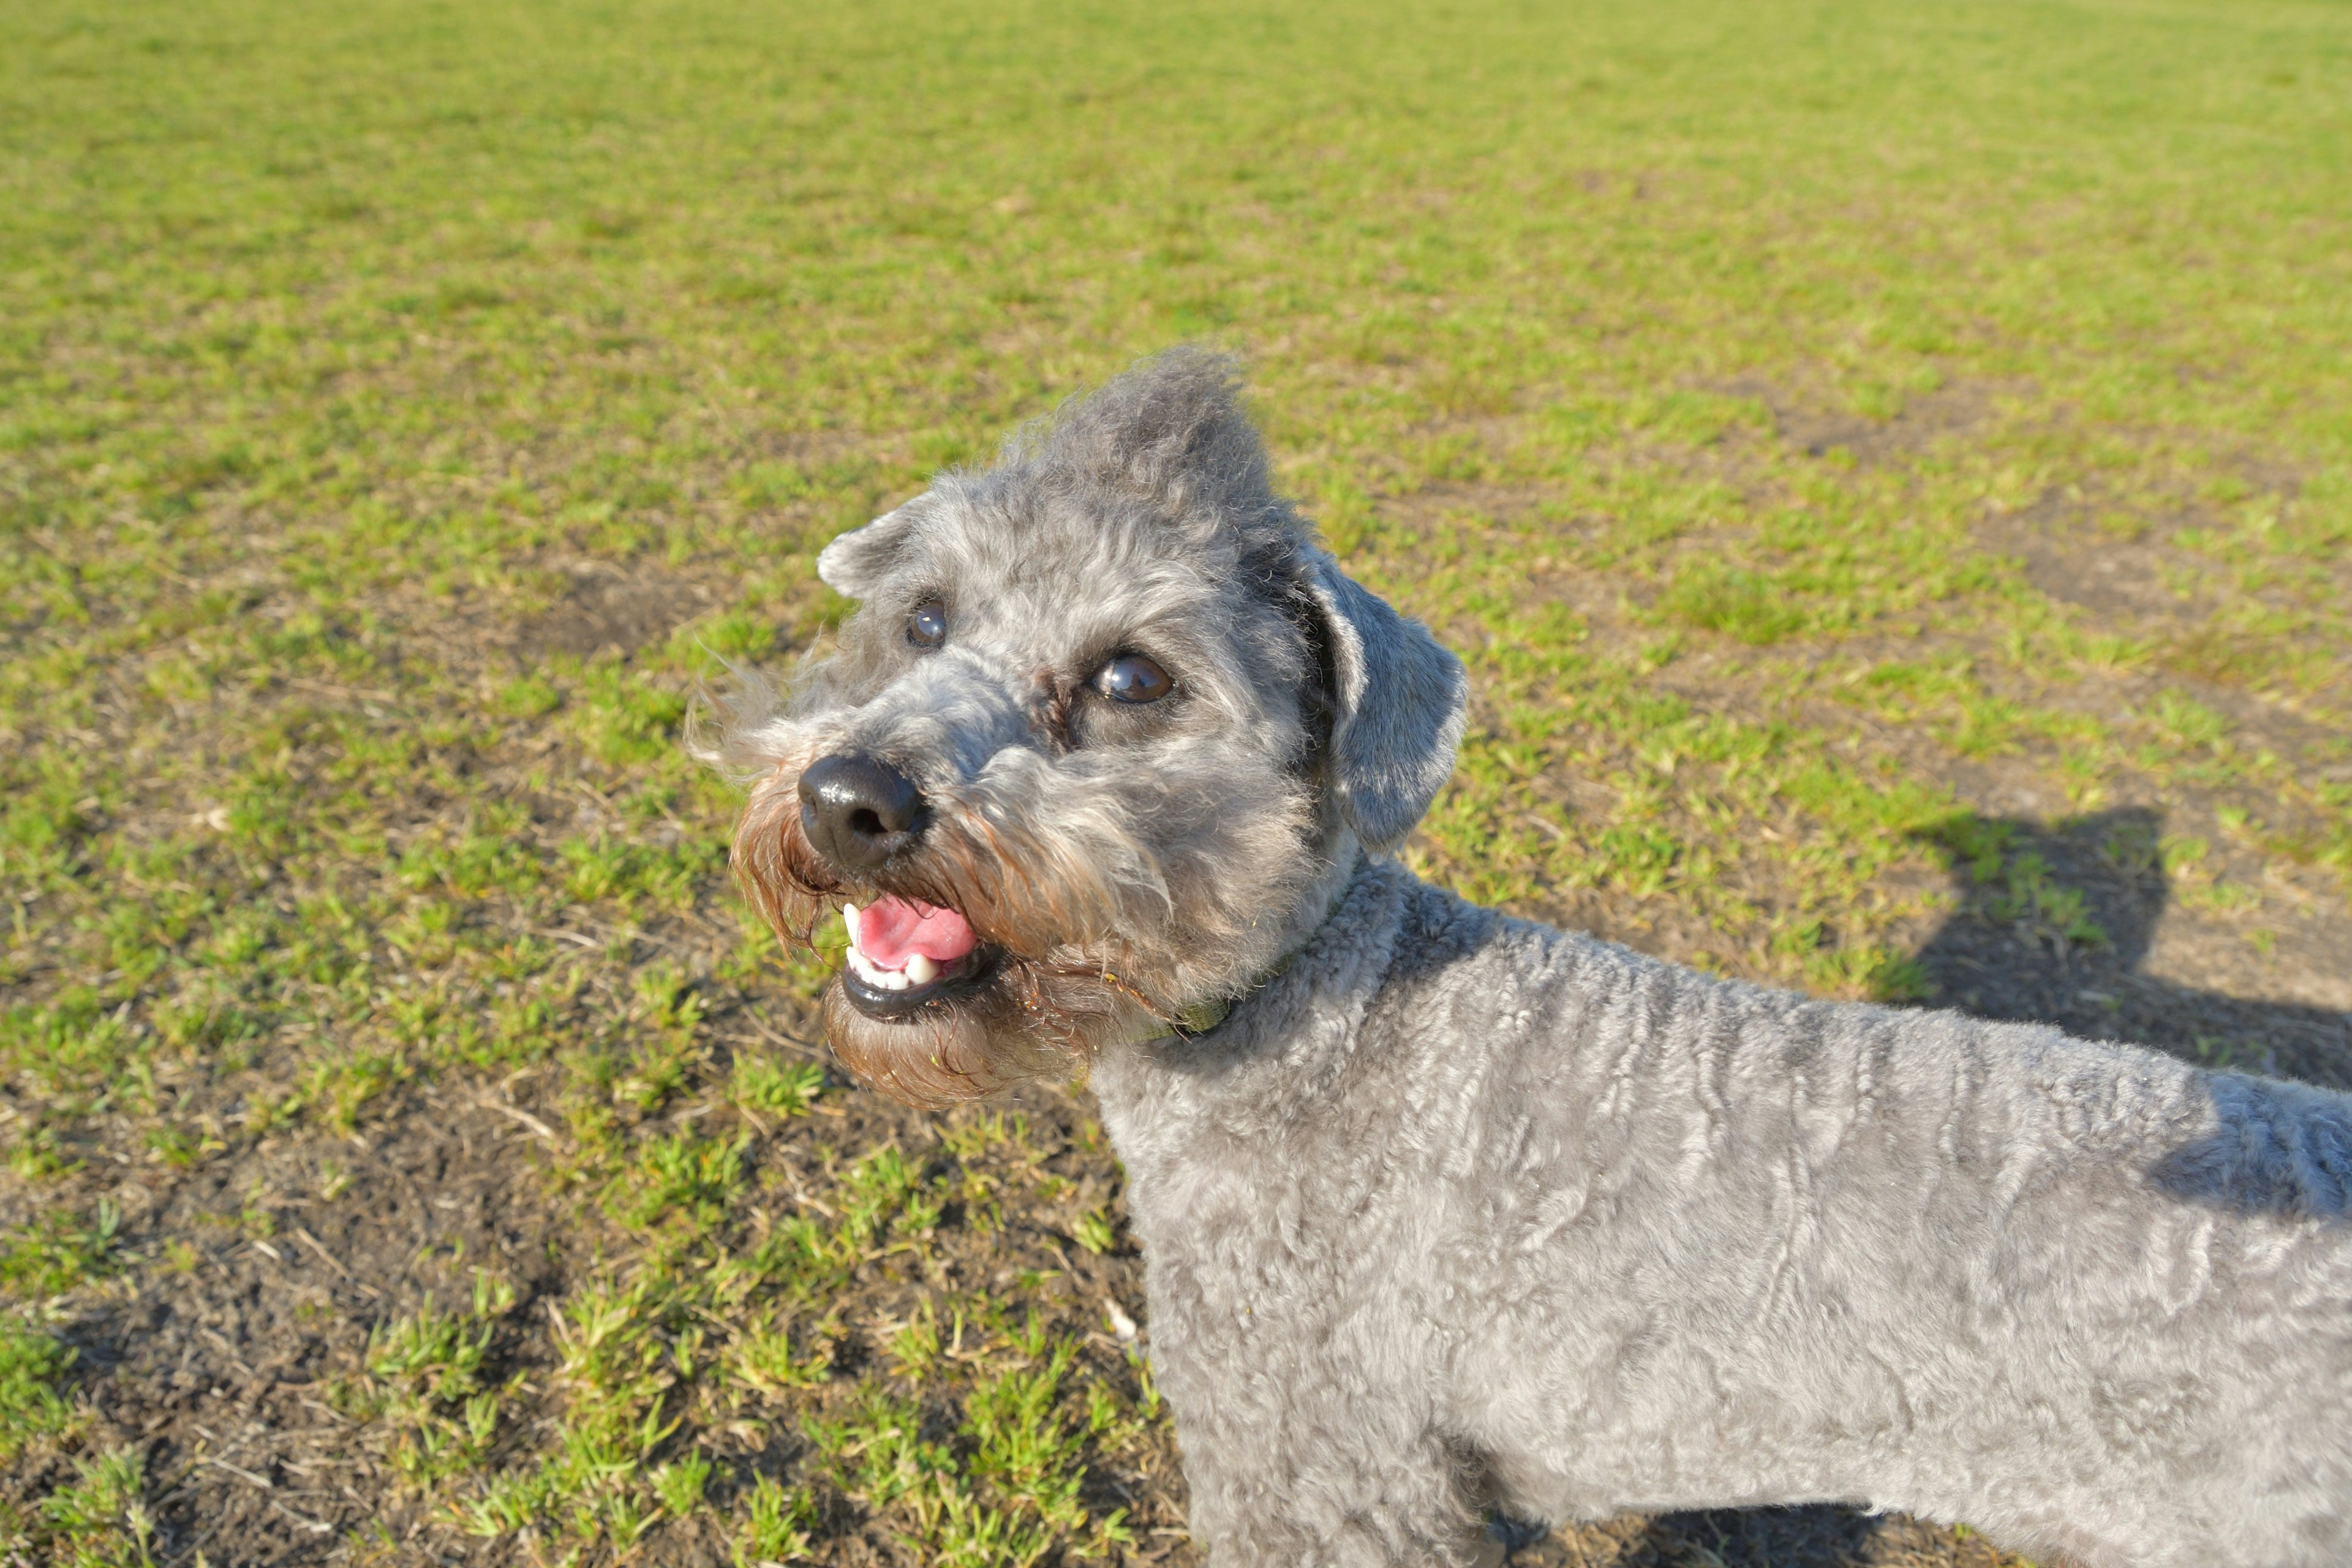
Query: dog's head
[(1101, 738)]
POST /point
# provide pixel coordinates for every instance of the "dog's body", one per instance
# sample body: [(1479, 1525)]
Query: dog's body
[(1456, 1193), (1452, 1206)]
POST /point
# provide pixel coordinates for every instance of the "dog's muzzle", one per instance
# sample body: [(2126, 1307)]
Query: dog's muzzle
[(857, 812)]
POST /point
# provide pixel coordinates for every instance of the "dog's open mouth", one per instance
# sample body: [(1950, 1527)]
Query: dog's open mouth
[(904, 955)]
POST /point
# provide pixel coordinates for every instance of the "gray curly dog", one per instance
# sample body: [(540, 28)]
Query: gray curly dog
[(1442, 1208)]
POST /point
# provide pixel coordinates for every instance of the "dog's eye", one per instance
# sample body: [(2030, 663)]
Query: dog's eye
[(1132, 677), (928, 625)]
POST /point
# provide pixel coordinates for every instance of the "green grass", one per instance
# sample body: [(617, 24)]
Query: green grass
[(1745, 389), (31, 1361)]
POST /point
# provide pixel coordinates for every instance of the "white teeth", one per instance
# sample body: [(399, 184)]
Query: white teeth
[(849, 922), (920, 971), (879, 978)]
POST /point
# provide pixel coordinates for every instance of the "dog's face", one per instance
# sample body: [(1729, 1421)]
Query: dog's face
[(1103, 728)]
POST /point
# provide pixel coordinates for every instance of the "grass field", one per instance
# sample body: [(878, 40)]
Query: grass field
[(1889, 468)]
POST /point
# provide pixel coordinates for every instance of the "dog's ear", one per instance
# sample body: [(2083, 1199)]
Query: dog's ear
[(857, 560), (1397, 703)]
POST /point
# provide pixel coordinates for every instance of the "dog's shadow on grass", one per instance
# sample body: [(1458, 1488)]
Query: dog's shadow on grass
[(1729, 1538), (2052, 924)]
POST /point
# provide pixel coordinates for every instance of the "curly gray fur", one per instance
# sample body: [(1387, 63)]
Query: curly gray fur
[(1457, 1192), (1457, 1207)]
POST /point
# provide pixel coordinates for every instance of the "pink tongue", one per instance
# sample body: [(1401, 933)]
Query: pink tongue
[(892, 930)]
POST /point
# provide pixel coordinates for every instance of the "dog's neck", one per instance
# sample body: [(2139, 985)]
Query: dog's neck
[(1299, 1027), (1343, 858)]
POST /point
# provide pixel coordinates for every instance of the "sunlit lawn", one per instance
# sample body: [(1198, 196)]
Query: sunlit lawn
[(1824, 429)]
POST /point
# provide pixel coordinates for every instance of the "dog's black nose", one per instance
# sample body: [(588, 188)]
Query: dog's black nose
[(858, 811)]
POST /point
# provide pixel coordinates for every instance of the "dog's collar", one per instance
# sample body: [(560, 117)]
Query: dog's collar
[(1199, 1018)]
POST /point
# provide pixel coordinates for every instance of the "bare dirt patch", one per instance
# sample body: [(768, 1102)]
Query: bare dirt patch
[(1808, 418), (219, 1366), (609, 612), (232, 1368)]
